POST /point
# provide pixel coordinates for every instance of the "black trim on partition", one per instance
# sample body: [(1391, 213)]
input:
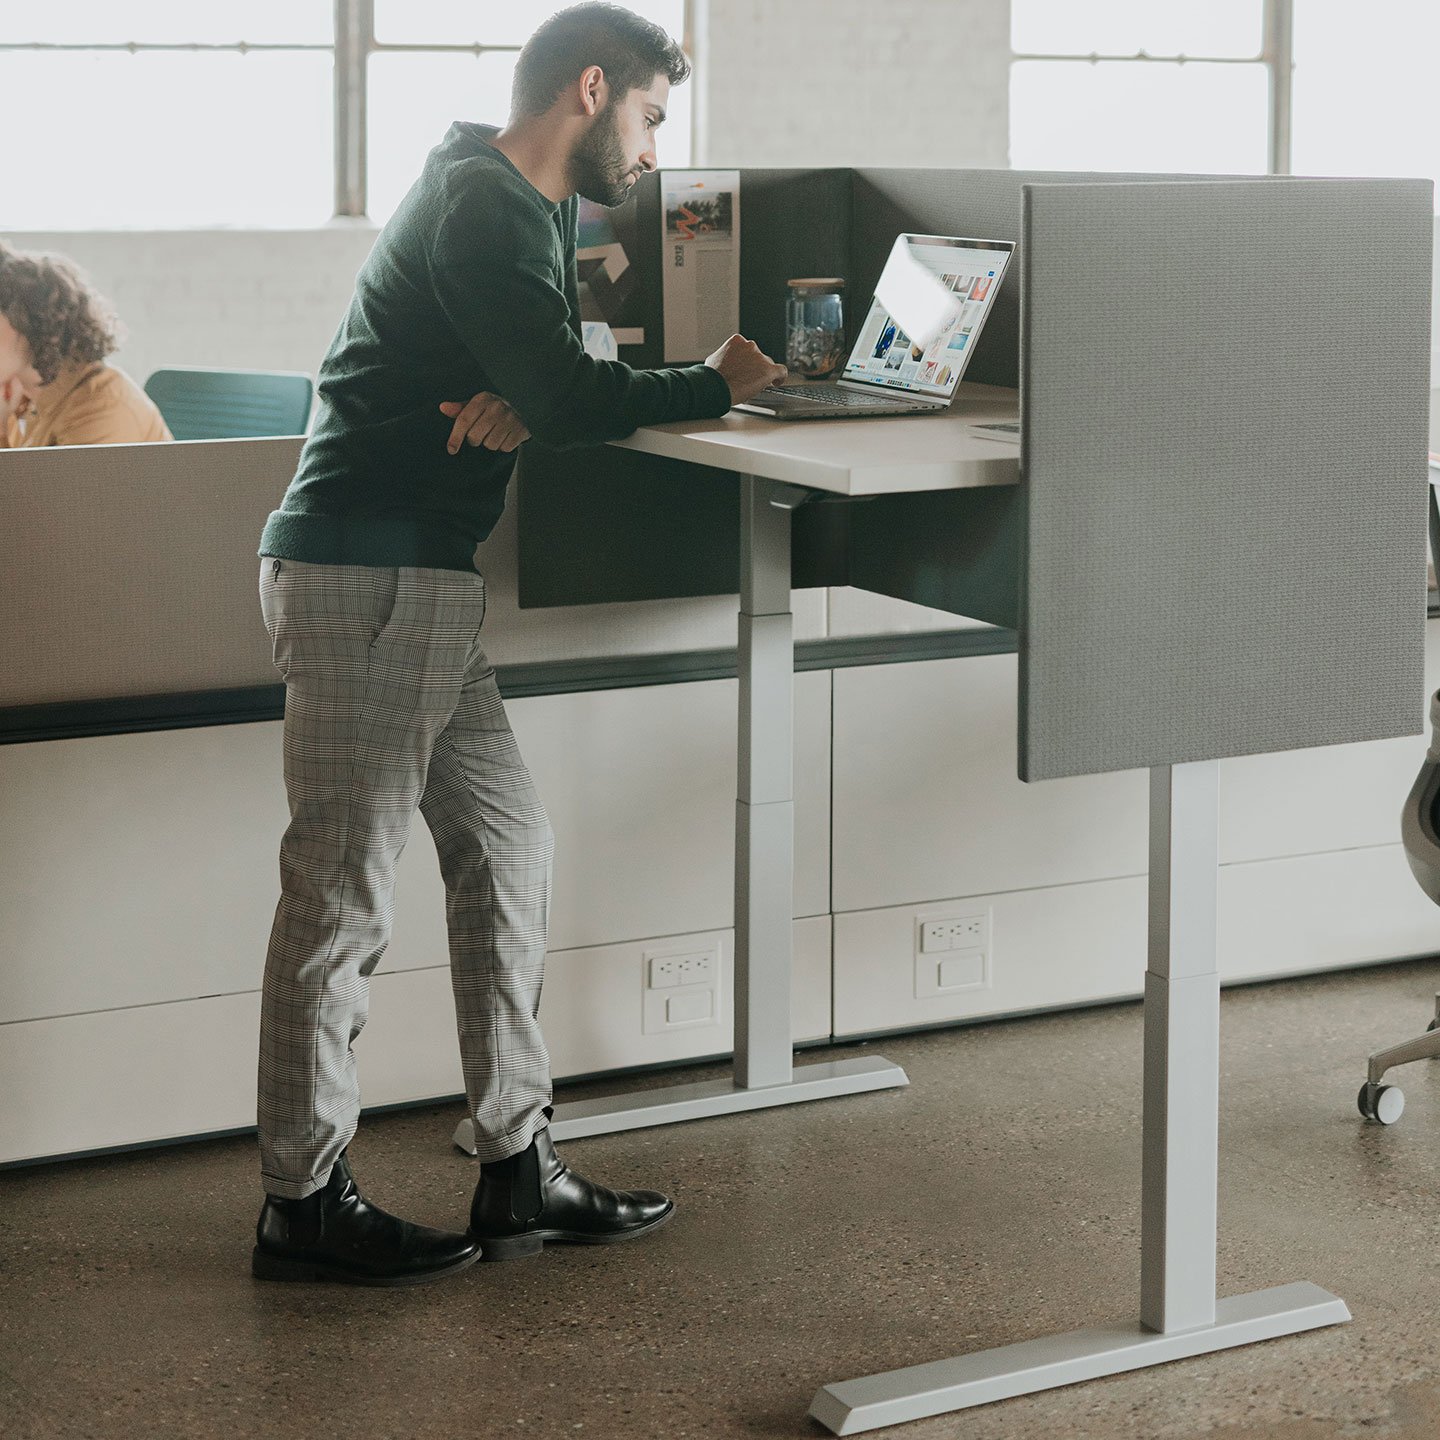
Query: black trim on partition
[(78, 719)]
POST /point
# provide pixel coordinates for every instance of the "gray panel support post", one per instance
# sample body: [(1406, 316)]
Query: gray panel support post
[(1182, 1051), (765, 1075), (1179, 1314)]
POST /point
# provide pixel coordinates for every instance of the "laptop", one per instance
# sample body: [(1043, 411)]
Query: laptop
[(925, 319)]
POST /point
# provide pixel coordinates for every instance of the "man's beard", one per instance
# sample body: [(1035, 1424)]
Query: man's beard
[(597, 167)]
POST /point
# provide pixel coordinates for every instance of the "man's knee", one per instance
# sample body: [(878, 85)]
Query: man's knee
[(476, 854)]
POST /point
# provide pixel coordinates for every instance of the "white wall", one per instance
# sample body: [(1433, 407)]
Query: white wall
[(243, 299)]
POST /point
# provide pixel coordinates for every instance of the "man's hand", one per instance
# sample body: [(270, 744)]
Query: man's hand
[(747, 370), (484, 420)]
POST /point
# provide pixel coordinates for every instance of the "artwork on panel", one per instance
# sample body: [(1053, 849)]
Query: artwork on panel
[(609, 281)]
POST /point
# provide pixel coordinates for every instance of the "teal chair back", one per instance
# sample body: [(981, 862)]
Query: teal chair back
[(203, 404)]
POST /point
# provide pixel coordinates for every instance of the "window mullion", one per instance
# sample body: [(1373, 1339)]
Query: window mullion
[(354, 39), (1280, 56)]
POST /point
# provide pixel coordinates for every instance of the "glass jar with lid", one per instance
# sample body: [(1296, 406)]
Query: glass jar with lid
[(815, 328)]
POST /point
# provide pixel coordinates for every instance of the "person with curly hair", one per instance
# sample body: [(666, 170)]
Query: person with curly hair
[(55, 385)]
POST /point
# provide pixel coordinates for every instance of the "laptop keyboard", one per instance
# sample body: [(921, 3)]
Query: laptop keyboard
[(834, 395)]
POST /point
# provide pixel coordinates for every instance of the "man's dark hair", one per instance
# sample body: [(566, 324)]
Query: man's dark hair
[(630, 50)]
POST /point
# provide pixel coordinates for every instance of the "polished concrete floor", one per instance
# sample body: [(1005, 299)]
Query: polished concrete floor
[(994, 1200)]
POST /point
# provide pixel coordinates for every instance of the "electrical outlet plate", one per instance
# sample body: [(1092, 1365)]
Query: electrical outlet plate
[(681, 988), (952, 949)]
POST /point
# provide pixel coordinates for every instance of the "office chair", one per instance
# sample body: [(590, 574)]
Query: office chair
[(205, 404), (1382, 1103)]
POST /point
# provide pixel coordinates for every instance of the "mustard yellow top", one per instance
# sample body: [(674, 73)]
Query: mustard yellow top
[(85, 405)]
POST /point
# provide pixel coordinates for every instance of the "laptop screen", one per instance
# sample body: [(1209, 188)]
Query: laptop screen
[(943, 288)]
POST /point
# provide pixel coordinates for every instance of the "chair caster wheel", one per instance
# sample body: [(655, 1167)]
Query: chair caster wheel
[(1384, 1104)]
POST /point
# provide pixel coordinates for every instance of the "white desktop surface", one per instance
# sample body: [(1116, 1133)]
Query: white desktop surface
[(854, 457)]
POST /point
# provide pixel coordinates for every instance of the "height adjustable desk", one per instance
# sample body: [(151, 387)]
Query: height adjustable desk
[(782, 467), (1211, 542)]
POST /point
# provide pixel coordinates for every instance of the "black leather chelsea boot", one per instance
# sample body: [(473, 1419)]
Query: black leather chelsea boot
[(534, 1197), (335, 1234)]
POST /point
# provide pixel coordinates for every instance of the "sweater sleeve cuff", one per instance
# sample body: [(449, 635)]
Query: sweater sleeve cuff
[(712, 390)]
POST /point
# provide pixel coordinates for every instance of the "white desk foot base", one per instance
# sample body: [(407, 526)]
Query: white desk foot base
[(674, 1103), (850, 1406)]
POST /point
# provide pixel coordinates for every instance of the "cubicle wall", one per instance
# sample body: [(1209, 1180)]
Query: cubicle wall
[(131, 571), (138, 868), (1224, 433)]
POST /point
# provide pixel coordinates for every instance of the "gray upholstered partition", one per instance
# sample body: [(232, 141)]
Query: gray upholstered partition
[(1224, 396), (132, 570), (130, 585)]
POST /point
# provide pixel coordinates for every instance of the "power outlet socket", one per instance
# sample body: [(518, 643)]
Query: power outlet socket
[(663, 971), (698, 968), (952, 951), (961, 933), (681, 988)]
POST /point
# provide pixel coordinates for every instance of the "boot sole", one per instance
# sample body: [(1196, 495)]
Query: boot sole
[(517, 1247), (276, 1267)]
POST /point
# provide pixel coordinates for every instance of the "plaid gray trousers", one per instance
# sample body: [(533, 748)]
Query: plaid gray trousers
[(391, 703)]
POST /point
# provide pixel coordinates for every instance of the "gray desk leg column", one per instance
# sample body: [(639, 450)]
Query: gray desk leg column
[(1179, 1161), (1179, 1314), (765, 802), (764, 871)]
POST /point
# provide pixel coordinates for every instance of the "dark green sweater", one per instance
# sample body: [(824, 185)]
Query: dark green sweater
[(470, 286)]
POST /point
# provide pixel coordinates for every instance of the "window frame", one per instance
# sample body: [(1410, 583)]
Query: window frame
[(1276, 54)]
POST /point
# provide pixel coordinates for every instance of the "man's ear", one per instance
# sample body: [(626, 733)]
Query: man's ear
[(593, 90)]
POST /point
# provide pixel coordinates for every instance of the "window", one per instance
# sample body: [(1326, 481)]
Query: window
[(164, 113), (1136, 85), (434, 61), (1228, 86), (161, 113), (1364, 93)]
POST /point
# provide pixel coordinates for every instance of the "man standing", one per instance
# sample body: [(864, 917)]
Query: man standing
[(374, 609)]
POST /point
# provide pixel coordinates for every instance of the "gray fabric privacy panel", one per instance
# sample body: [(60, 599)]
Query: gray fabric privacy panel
[(133, 569), (953, 550), (984, 204), (793, 223), (1224, 403)]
